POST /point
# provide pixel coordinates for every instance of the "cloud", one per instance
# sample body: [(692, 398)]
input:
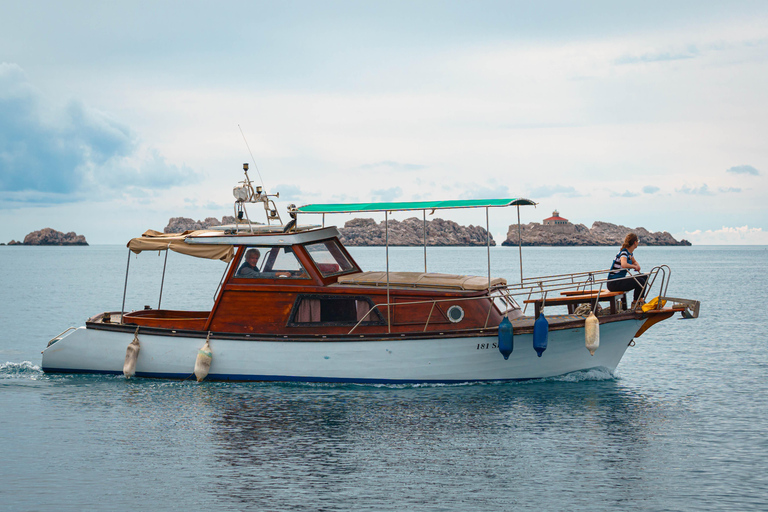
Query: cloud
[(743, 235), (45, 151), (658, 57), (549, 191), (729, 189), (344, 198), (743, 169), (389, 194), (701, 191), (49, 151), (290, 192), (626, 193), (650, 189), (13, 200), (395, 166), (145, 169), (492, 190), (689, 53)]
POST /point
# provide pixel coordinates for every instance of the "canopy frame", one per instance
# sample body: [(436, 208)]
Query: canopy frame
[(152, 240), (388, 208), (404, 206)]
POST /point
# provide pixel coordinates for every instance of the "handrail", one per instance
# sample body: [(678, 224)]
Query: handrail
[(661, 270), (544, 286), (59, 336), (539, 286)]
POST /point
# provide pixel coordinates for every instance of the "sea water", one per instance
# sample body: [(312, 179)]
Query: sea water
[(681, 425)]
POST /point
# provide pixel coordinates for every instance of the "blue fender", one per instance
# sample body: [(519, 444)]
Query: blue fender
[(506, 338), (540, 334)]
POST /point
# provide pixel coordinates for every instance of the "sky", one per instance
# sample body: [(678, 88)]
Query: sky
[(116, 116)]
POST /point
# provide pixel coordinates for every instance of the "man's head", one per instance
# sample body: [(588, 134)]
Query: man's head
[(252, 257)]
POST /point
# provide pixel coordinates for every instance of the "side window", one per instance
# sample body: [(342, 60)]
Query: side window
[(329, 258), (270, 263), (333, 310)]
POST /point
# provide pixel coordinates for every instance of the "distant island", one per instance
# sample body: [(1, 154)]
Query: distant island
[(48, 236), (553, 231), (558, 231), (364, 232), (181, 224), (410, 232)]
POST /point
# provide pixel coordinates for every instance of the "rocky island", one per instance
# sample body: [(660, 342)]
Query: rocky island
[(557, 231), (181, 224), (48, 236), (362, 232), (554, 231)]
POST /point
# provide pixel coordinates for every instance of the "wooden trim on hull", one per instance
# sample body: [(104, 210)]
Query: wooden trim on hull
[(314, 338)]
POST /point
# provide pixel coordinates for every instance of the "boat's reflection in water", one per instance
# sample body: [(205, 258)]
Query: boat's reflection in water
[(552, 444), (324, 445)]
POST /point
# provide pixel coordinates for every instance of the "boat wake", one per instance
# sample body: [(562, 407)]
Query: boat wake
[(23, 370), (28, 370), (595, 374)]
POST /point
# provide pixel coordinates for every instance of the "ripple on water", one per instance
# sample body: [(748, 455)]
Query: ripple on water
[(23, 370)]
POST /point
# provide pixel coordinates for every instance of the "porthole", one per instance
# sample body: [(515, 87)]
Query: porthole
[(455, 314)]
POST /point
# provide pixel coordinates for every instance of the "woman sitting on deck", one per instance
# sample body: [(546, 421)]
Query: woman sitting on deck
[(618, 280)]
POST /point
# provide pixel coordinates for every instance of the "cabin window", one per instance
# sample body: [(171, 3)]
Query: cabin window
[(333, 310), (270, 263), (329, 258)]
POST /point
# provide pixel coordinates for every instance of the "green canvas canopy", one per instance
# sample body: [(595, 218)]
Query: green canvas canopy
[(411, 205)]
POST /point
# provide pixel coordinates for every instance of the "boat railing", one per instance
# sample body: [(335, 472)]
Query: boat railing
[(666, 274), (531, 289), (59, 336)]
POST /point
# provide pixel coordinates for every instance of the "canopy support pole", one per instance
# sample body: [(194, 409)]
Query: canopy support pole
[(425, 240), (125, 288), (520, 243), (488, 242), (162, 281), (386, 253)]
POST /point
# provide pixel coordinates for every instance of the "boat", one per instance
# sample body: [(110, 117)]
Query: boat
[(294, 305)]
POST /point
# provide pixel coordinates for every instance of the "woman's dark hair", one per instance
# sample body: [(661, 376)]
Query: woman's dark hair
[(629, 240)]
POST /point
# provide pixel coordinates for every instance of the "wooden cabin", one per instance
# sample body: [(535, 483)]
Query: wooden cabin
[(306, 283)]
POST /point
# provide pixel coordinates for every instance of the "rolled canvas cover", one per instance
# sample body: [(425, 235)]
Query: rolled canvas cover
[(153, 240), (421, 280)]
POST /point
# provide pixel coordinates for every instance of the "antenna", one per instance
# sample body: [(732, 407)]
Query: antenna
[(254, 160)]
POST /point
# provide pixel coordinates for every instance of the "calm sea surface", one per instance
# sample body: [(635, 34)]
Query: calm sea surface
[(680, 426)]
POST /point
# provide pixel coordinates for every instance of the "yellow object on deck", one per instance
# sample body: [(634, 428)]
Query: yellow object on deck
[(653, 304)]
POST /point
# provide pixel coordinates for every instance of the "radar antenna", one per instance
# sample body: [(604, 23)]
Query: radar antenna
[(247, 193)]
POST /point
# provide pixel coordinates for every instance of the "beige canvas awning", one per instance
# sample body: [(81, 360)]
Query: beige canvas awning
[(421, 280), (153, 240)]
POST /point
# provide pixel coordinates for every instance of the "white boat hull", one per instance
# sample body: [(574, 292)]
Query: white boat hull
[(449, 359)]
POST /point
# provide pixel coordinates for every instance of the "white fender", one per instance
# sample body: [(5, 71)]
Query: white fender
[(592, 333), (203, 362), (131, 355)]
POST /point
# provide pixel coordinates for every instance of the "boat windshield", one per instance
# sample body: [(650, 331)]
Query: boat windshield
[(270, 262), (329, 258)]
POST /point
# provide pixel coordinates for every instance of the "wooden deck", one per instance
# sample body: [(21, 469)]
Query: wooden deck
[(572, 299)]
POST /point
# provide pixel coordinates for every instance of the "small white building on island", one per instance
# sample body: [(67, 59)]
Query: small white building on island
[(555, 219), (558, 224)]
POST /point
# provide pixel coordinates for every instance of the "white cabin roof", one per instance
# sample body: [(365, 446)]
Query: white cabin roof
[(271, 239)]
